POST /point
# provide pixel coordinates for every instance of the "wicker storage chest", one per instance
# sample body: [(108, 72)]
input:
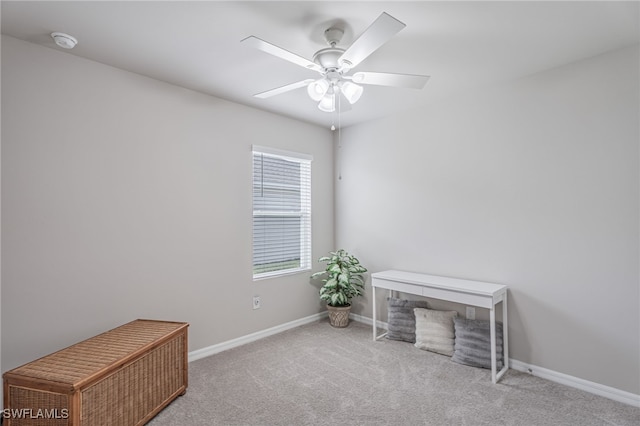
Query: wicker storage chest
[(122, 377)]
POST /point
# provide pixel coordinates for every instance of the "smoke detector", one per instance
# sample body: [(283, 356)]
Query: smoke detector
[(64, 40)]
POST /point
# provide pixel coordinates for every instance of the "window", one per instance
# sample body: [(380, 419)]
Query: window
[(281, 212)]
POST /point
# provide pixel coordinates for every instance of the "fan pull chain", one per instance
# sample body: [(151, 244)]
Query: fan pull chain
[(333, 121), (339, 130)]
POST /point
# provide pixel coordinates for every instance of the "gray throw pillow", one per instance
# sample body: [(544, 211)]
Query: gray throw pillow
[(473, 343), (402, 320)]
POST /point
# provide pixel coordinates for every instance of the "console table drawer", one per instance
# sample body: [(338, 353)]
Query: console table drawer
[(464, 298), (398, 286)]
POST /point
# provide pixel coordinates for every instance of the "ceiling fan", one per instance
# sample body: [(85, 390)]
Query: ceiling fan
[(334, 63)]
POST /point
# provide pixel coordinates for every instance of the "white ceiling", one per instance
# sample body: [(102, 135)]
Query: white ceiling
[(461, 45)]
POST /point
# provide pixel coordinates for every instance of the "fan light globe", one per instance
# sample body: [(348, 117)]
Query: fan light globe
[(351, 91), (318, 89), (327, 103)]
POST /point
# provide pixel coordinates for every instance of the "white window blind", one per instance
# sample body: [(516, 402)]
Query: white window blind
[(281, 212)]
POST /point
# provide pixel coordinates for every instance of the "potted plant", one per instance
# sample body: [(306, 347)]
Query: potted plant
[(343, 281)]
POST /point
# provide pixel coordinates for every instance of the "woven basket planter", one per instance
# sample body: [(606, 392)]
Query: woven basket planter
[(339, 317)]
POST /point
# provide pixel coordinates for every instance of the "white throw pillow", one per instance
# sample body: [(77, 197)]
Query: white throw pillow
[(435, 330)]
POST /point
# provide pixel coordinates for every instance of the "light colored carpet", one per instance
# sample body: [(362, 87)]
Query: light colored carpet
[(319, 375)]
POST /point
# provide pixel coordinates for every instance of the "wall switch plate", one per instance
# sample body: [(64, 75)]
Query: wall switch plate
[(256, 302), (471, 313)]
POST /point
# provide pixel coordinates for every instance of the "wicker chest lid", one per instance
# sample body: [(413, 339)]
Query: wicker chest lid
[(80, 363)]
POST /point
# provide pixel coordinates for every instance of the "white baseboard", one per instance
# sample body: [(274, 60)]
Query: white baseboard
[(229, 344), (368, 321), (575, 382)]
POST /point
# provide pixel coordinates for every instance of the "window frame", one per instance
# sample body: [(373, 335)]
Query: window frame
[(304, 213)]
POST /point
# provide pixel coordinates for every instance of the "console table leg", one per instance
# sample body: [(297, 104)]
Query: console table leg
[(373, 315), (492, 319), (505, 333)]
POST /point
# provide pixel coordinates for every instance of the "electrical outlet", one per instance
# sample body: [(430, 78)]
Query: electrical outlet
[(256, 302), (471, 313)]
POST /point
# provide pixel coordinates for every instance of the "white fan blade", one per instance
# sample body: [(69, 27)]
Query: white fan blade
[(409, 81), (283, 89), (378, 33), (274, 50)]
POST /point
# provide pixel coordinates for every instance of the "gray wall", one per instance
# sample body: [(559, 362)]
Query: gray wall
[(532, 184), (124, 197)]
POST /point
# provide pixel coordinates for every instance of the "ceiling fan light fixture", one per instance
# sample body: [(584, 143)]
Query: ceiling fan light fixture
[(318, 89), (351, 91), (328, 103), (334, 64)]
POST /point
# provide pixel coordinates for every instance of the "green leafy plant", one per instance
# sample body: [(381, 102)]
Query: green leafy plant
[(343, 278)]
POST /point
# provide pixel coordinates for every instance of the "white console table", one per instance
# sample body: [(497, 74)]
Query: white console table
[(474, 293)]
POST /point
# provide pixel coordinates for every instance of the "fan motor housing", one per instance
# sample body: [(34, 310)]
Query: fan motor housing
[(328, 58)]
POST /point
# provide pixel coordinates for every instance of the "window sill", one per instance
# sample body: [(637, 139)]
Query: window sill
[(277, 274)]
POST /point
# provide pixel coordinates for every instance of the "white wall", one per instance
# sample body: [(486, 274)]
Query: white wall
[(533, 184), (2, 390), (124, 197)]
